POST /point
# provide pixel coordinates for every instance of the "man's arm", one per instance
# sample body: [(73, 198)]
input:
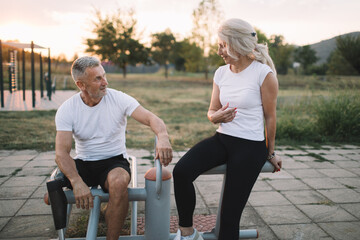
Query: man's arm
[(163, 147), (67, 166)]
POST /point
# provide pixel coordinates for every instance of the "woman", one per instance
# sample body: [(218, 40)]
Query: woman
[(244, 95)]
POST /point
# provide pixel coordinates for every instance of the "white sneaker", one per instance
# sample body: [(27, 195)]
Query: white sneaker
[(195, 236)]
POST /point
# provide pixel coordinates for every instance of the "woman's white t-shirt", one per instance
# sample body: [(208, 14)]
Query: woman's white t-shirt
[(99, 131), (242, 90)]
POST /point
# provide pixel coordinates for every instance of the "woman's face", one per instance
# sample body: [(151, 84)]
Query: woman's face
[(222, 52)]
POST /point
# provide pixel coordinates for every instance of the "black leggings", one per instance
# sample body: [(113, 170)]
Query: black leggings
[(244, 159)]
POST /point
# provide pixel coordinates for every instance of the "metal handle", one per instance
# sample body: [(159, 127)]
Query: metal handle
[(158, 176)]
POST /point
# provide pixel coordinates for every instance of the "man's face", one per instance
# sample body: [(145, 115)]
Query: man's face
[(94, 82)]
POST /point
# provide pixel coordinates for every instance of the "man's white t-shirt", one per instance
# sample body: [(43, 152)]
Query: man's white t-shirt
[(99, 131), (242, 90)]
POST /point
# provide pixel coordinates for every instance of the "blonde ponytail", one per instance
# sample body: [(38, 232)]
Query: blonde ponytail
[(261, 54)]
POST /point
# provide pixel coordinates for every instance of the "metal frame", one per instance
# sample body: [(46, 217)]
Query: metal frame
[(157, 214)]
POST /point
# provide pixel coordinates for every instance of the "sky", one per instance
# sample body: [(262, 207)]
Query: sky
[(64, 25)]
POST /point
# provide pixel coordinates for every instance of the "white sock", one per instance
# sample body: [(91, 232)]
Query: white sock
[(189, 237)]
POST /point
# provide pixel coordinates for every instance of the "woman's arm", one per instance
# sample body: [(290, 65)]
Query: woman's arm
[(269, 92), (218, 113)]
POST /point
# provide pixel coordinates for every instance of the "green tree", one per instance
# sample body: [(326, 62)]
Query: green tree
[(116, 40), (162, 46), (337, 65), (206, 20), (261, 36), (349, 48), (187, 56), (305, 56), (280, 53)]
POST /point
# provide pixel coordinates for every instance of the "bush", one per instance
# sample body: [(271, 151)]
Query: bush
[(338, 117)]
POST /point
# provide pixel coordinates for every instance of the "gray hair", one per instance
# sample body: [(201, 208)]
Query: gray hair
[(80, 65), (240, 38)]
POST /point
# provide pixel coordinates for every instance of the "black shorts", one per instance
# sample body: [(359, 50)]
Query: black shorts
[(94, 173)]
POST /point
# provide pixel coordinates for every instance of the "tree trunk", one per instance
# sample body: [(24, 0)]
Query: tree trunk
[(206, 68), (166, 70), (124, 71)]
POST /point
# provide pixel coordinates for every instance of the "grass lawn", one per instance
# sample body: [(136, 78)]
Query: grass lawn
[(182, 102)]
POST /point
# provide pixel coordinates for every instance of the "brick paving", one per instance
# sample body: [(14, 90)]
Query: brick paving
[(310, 198)]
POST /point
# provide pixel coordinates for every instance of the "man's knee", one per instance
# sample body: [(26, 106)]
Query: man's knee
[(118, 181)]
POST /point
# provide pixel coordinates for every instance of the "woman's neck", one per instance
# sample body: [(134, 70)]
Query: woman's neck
[(240, 64)]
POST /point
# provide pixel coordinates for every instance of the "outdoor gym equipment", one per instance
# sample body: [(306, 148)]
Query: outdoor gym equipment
[(14, 69), (156, 195)]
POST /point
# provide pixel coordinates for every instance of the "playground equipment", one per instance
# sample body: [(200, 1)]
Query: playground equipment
[(156, 195), (13, 67)]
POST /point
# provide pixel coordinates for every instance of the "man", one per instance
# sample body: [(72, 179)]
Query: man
[(96, 119)]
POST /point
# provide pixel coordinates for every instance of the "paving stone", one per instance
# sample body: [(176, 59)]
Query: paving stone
[(350, 146), (304, 158), (16, 192), (290, 184), (250, 217), (353, 208), (355, 157), (37, 171), (348, 164), (212, 199), (15, 158), (304, 197), (321, 165), (293, 152), (294, 165), (349, 182), (261, 186), (335, 157), (8, 208), (283, 174), (3, 179), (322, 183), (3, 222), (305, 173), (326, 213), (208, 178), (50, 155), (342, 230), (34, 207), (336, 173), (5, 153), (341, 195), (267, 198), (265, 233), (355, 171), (318, 151), (41, 163), (282, 215), (13, 164), (29, 226), (214, 187), (342, 151), (299, 231), (24, 181), (39, 192), (8, 171), (25, 152)]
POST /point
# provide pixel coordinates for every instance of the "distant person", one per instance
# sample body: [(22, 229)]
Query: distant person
[(243, 97), (96, 118)]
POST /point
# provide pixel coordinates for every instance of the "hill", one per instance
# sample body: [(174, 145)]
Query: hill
[(324, 48)]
